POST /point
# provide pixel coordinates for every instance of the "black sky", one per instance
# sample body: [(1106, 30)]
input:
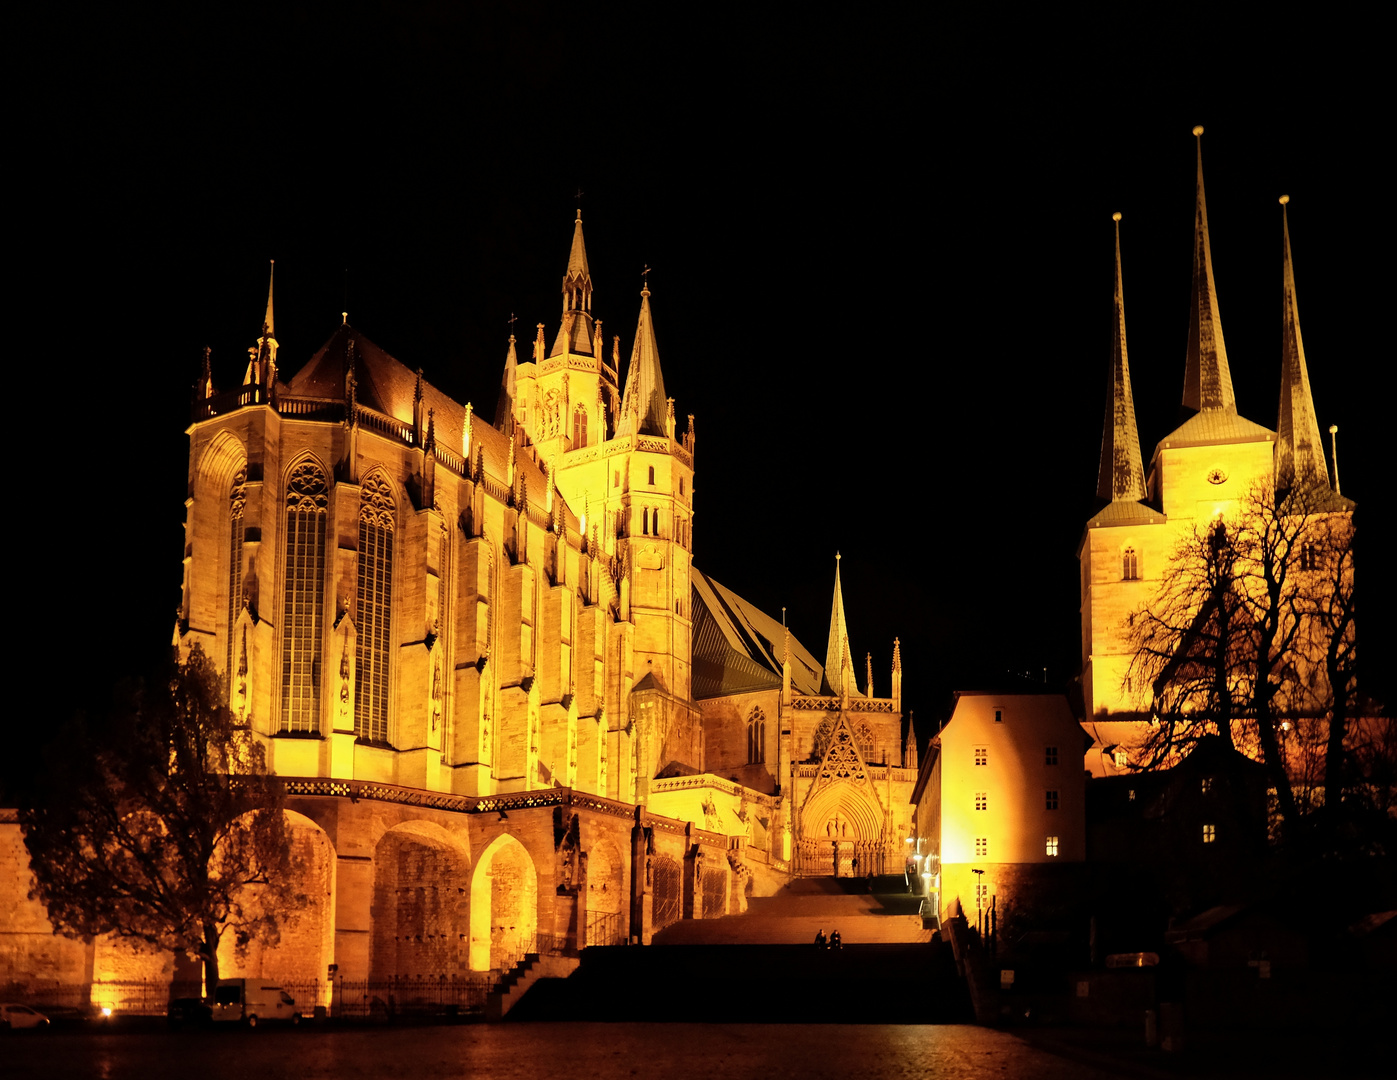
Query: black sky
[(881, 246)]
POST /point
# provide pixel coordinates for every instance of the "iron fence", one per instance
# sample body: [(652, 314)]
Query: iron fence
[(409, 996)]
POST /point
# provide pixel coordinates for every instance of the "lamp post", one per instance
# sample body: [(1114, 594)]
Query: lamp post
[(978, 905)]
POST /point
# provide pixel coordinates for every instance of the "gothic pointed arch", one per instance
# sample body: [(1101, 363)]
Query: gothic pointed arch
[(307, 500), (374, 606), (842, 787)]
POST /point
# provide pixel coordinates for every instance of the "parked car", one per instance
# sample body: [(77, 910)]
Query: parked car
[(14, 1017), (188, 1012), (253, 1001)]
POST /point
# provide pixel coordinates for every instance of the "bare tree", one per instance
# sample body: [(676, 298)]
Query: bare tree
[(1252, 636), (168, 830)]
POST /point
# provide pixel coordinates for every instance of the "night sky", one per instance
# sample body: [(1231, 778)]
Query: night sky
[(882, 258)]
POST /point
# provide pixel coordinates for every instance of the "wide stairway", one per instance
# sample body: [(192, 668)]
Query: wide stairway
[(865, 911), (762, 966)]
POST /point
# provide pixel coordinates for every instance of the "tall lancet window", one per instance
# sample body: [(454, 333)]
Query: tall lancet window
[(1130, 565), (307, 497), (374, 609), (236, 497), (756, 737), (579, 427)]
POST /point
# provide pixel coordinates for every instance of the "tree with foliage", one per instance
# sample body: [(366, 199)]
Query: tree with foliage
[(1252, 637), (167, 829)]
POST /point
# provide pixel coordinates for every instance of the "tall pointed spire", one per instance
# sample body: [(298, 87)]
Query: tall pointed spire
[(644, 407), (1207, 378), (837, 666), (504, 408), (1299, 445), (1121, 475), (270, 322), (576, 332)]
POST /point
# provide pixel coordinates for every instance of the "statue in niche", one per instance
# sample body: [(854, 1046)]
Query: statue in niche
[(242, 679), (436, 690), (344, 695)]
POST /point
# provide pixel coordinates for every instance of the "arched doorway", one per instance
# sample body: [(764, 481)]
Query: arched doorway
[(503, 905), (419, 906), (839, 825)]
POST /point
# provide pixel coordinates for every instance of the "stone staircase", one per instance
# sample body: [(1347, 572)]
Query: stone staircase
[(884, 915), (761, 966), (517, 982)]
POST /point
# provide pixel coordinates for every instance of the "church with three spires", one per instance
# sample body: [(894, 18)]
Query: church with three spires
[(1206, 469)]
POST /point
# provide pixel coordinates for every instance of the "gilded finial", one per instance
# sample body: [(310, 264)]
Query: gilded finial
[(344, 318)]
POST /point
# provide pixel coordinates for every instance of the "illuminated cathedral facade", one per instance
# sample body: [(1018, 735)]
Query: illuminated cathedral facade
[(481, 656)]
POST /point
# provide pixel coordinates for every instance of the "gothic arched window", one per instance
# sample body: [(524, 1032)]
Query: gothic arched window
[(645, 521), (864, 737), (652, 476), (374, 609), (756, 737), (307, 498), (579, 427), (1130, 565), (237, 496)]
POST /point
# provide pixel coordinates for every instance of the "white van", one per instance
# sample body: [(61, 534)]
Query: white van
[(253, 1001)]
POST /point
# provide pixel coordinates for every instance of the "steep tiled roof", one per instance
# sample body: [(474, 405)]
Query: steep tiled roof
[(737, 647)]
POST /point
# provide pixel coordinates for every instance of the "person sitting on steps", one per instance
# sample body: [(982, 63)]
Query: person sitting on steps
[(835, 941), (820, 942)]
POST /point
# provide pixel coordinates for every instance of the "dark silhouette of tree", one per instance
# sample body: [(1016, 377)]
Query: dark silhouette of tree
[(1252, 637), (167, 829)]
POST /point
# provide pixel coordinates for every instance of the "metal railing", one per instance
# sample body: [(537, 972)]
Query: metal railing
[(375, 999)]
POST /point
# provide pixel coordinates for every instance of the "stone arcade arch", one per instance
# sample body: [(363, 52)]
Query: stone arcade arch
[(503, 904), (420, 913), (307, 945), (606, 895)]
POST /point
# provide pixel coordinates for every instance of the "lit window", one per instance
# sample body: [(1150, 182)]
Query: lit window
[(307, 500), (1121, 758), (1052, 800), (1210, 833), (1207, 784), (373, 641), (756, 737), (982, 800), (982, 755), (1052, 755), (1052, 845), (1131, 797), (1130, 565), (236, 498), (982, 845)]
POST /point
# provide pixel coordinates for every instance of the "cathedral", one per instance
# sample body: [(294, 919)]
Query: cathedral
[(1204, 470), (504, 701)]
